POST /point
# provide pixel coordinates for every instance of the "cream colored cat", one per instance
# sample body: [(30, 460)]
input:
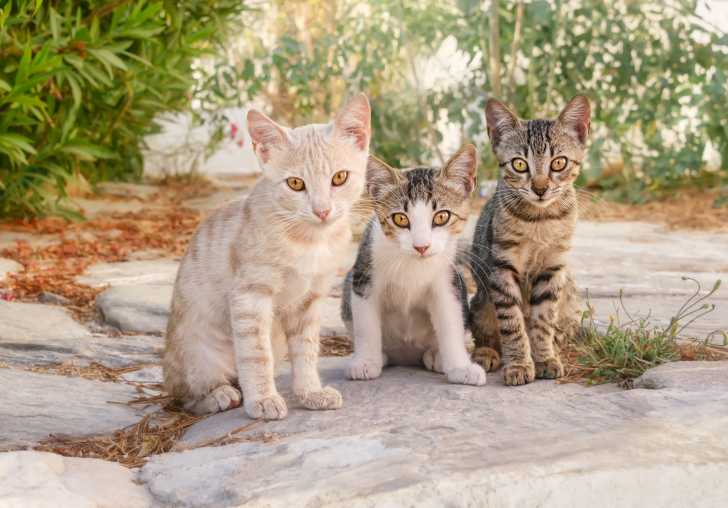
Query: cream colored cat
[(256, 270)]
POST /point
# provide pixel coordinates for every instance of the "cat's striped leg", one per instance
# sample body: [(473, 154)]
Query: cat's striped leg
[(505, 292), (546, 290), (251, 314), (302, 330)]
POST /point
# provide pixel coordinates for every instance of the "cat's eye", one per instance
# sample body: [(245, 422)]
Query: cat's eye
[(340, 178), (441, 218), (295, 183), (558, 164), (519, 165), (400, 220)]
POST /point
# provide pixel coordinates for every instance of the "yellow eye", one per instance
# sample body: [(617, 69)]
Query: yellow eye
[(400, 220), (519, 165), (295, 183), (340, 178), (558, 164), (441, 218)]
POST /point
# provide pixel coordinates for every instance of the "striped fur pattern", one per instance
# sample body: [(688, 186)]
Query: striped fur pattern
[(526, 302), (256, 271), (404, 301)]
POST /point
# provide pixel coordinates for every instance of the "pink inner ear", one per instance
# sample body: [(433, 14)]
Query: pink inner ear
[(360, 136)]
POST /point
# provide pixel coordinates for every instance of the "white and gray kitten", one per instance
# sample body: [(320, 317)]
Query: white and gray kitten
[(256, 270), (405, 301)]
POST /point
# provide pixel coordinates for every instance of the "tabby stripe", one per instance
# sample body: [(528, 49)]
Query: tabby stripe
[(506, 244), (505, 305), (546, 275), (509, 331), (545, 296), (503, 265), (257, 288), (249, 331), (505, 317), (540, 328), (246, 316)]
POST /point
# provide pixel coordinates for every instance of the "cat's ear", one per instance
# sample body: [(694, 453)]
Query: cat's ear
[(500, 120), (575, 118), (266, 135), (355, 121), (380, 176), (459, 172)]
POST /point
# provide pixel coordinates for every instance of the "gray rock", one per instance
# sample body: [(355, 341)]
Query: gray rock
[(8, 266), (42, 404), (46, 479), (141, 308), (112, 352), (146, 375), (32, 333), (697, 376), (409, 438), (53, 299), (130, 273), (29, 323)]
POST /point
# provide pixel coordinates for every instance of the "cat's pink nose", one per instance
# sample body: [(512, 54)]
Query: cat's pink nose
[(421, 249), (322, 214)]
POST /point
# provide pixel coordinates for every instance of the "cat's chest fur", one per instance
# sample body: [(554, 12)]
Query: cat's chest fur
[(315, 267)]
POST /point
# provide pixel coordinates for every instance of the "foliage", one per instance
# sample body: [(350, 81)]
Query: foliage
[(625, 351), (656, 73), (81, 82)]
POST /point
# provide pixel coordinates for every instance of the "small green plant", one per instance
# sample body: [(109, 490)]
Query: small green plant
[(625, 350)]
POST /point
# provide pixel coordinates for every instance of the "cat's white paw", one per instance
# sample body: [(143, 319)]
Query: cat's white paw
[(221, 398), (473, 374), (432, 360), (326, 398), (364, 368), (272, 407)]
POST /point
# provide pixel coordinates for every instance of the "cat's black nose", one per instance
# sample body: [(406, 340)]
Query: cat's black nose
[(539, 191)]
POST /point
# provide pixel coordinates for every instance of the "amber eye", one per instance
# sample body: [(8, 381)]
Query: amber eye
[(295, 183), (558, 164), (441, 218), (400, 220), (519, 165), (340, 178)]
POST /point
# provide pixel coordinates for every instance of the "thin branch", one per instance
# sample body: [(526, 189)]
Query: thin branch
[(494, 54), (514, 49)]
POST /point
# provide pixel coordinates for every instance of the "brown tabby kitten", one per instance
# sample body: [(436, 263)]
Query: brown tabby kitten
[(526, 303)]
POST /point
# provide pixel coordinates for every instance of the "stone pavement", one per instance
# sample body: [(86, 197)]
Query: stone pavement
[(406, 439)]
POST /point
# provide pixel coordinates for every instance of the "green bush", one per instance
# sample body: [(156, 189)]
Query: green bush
[(657, 75), (80, 84)]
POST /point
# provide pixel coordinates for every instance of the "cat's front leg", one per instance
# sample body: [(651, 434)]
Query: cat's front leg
[(446, 314), (303, 332), (368, 359), (251, 314), (504, 290), (546, 290)]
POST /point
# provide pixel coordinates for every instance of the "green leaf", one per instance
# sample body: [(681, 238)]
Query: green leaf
[(88, 151)]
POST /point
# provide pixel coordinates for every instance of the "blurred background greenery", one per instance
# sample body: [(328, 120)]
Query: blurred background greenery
[(81, 82)]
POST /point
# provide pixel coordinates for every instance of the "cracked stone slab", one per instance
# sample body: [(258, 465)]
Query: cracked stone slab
[(129, 273), (36, 334), (44, 404), (38, 479), (26, 323), (136, 308), (409, 438), (144, 308)]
